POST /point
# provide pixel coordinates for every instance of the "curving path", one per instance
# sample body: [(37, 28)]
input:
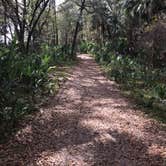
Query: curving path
[(87, 124)]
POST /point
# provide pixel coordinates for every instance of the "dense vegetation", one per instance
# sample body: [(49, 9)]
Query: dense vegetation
[(127, 38), (146, 85), (30, 57)]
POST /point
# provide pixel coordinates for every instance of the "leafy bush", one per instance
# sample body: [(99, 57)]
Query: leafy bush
[(19, 74), (88, 47), (22, 78), (159, 91), (147, 85), (83, 47)]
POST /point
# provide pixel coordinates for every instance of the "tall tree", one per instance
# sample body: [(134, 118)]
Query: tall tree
[(82, 7), (25, 15)]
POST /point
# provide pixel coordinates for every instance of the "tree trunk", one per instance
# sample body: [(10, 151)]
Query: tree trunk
[(33, 25), (77, 28), (55, 26), (5, 23)]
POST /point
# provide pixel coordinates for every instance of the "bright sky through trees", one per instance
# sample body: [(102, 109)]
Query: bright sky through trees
[(58, 2)]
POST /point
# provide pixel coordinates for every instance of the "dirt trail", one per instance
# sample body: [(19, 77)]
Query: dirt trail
[(88, 124)]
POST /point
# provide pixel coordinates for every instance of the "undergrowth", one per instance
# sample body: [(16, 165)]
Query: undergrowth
[(147, 85), (25, 79)]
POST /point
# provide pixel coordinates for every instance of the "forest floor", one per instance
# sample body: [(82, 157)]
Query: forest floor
[(88, 123)]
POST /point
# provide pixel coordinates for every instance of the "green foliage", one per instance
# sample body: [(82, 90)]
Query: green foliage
[(159, 91), (23, 77), (103, 53), (57, 54), (88, 47), (84, 47), (147, 84), (143, 9)]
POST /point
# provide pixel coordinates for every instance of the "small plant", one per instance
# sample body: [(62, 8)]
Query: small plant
[(159, 91)]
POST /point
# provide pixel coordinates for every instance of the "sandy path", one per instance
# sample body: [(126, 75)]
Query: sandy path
[(88, 123)]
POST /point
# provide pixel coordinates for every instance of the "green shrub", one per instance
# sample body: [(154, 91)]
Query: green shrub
[(159, 91), (22, 76)]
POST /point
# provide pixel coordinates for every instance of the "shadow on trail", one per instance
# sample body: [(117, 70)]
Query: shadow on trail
[(60, 132), (90, 125)]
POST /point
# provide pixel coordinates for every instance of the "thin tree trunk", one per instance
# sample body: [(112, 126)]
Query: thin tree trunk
[(34, 25), (55, 26), (5, 22), (77, 28), (66, 42)]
